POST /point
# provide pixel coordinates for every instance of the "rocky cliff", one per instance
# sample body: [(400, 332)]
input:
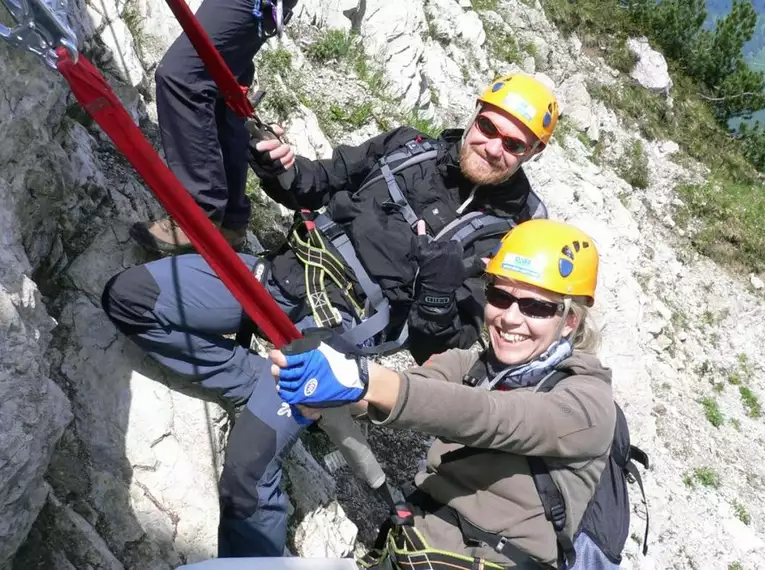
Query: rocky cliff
[(106, 463)]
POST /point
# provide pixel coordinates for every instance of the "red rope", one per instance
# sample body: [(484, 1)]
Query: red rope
[(98, 99)]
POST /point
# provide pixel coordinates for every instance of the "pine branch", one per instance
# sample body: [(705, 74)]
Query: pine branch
[(736, 96)]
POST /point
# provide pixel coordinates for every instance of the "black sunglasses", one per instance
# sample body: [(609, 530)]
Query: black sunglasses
[(528, 306), (513, 145)]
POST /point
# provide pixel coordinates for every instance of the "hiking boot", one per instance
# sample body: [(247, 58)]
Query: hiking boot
[(237, 238), (162, 236), (166, 237)]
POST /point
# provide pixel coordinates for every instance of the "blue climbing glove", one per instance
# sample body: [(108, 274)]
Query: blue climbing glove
[(319, 376)]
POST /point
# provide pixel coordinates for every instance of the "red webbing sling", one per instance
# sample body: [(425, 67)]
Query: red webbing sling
[(100, 102)]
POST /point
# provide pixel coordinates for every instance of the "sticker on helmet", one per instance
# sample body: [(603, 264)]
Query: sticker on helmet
[(522, 264), (497, 86), (517, 104), (547, 120)]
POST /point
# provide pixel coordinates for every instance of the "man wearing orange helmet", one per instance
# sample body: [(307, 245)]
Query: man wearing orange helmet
[(524, 429), (518, 128), (386, 248)]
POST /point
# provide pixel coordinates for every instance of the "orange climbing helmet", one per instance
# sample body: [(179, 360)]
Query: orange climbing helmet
[(528, 100), (551, 255)]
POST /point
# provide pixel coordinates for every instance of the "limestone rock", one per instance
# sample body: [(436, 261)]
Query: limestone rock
[(651, 70), (575, 101), (395, 37)]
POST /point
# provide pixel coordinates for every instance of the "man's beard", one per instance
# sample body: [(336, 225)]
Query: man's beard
[(479, 171)]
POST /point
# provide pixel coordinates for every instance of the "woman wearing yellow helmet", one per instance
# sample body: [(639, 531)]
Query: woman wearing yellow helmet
[(542, 269), (477, 504)]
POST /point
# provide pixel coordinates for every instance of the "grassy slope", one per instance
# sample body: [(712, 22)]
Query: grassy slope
[(727, 212)]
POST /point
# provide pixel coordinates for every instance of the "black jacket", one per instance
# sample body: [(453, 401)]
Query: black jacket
[(383, 239)]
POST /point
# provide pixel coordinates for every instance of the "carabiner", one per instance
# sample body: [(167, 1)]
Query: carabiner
[(42, 26)]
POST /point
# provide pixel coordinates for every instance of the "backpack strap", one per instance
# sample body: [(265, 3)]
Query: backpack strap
[(554, 506), (395, 190), (641, 457), (536, 207), (478, 373), (633, 471), (474, 225), (551, 380), (413, 152), (552, 499)]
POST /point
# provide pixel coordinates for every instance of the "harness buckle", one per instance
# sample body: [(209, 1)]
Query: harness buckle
[(558, 516), (500, 546), (41, 27), (417, 146)]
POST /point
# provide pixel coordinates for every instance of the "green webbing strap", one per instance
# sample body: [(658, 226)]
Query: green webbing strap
[(407, 549), (319, 264)]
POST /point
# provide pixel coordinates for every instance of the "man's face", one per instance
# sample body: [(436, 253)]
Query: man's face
[(487, 159)]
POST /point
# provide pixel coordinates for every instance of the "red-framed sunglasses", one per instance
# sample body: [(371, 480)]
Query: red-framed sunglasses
[(513, 145)]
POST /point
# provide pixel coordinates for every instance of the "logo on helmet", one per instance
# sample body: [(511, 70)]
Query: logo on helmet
[(497, 86), (518, 105), (566, 262), (522, 264)]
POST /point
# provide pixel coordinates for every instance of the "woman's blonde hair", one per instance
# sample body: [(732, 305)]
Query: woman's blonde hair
[(585, 337)]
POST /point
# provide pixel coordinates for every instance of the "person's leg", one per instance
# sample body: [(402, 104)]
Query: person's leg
[(177, 309), (234, 138), (253, 507), (187, 99)]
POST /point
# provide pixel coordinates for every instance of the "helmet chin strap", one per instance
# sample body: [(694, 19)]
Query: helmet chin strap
[(470, 121), (566, 311)]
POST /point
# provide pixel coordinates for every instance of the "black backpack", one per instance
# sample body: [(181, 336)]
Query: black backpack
[(606, 520)]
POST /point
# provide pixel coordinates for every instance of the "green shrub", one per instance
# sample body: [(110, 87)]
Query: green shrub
[(712, 411), (633, 167), (332, 44), (750, 401)]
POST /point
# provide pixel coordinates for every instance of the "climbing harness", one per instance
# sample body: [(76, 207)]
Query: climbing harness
[(277, 13), (404, 547), (329, 252)]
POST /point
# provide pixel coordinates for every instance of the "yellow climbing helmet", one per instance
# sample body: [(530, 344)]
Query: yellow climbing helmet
[(551, 255), (526, 99)]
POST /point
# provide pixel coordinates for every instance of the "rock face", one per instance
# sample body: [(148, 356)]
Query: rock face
[(117, 461), (33, 409)]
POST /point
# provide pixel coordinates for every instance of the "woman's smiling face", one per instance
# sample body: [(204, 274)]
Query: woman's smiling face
[(518, 338)]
